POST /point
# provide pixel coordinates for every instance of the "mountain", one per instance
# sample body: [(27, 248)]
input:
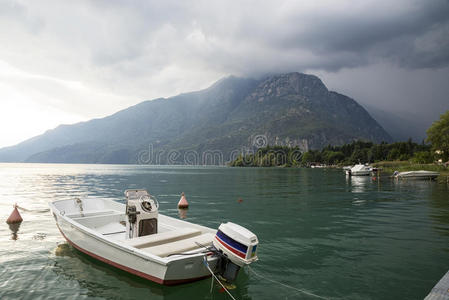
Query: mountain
[(209, 125)]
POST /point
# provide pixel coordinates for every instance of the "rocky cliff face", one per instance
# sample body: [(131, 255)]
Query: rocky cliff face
[(233, 114), (297, 109)]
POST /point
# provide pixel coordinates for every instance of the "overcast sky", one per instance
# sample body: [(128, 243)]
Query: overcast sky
[(69, 61)]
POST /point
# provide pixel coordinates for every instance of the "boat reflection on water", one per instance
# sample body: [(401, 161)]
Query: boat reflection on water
[(96, 279), (14, 227), (358, 183), (415, 185), (64, 249)]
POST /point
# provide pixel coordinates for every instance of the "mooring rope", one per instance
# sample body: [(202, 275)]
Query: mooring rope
[(286, 285), (33, 210), (225, 289)]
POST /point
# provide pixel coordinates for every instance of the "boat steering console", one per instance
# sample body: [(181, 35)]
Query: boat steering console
[(142, 213)]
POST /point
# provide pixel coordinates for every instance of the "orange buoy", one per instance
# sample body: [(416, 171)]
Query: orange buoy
[(240, 200), (183, 201), (15, 216)]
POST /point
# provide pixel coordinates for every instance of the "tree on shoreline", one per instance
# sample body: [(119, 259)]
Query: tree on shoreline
[(355, 152), (438, 136), (348, 154), (270, 156)]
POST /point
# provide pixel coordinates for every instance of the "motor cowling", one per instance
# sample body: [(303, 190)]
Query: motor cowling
[(141, 213), (238, 247)]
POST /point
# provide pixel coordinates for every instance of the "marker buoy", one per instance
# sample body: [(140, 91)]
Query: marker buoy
[(183, 201), (15, 216), (240, 200)]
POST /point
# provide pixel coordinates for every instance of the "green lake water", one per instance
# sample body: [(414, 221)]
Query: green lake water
[(336, 237)]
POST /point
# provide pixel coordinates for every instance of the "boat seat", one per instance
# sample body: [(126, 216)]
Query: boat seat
[(96, 222), (93, 213), (111, 228), (161, 238), (181, 246)]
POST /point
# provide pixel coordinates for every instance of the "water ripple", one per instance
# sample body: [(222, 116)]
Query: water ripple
[(337, 237)]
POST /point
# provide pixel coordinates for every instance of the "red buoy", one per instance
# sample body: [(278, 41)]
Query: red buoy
[(183, 202), (15, 216)]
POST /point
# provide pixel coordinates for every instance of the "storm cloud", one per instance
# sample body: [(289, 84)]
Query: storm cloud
[(91, 58)]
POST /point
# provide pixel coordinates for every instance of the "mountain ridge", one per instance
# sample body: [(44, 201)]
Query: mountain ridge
[(292, 109)]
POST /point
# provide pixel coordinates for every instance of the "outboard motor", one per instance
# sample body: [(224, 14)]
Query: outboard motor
[(237, 247), (141, 213)]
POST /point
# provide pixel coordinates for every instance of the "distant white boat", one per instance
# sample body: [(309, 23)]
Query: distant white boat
[(359, 170), (136, 238), (422, 174), (318, 166)]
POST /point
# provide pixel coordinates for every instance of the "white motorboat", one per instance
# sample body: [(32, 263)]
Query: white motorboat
[(359, 170), (136, 238), (422, 174)]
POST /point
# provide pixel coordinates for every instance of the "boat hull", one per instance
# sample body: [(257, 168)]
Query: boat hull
[(358, 170), (360, 173), (166, 272), (418, 175)]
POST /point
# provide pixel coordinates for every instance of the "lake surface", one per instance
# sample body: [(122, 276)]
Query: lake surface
[(336, 237)]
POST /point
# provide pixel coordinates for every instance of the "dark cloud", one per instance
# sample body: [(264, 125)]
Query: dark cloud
[(411, 35), (241, 37)]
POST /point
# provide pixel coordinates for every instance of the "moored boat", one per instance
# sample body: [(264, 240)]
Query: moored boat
[(136, 238), (359, 170), (421, 174)]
